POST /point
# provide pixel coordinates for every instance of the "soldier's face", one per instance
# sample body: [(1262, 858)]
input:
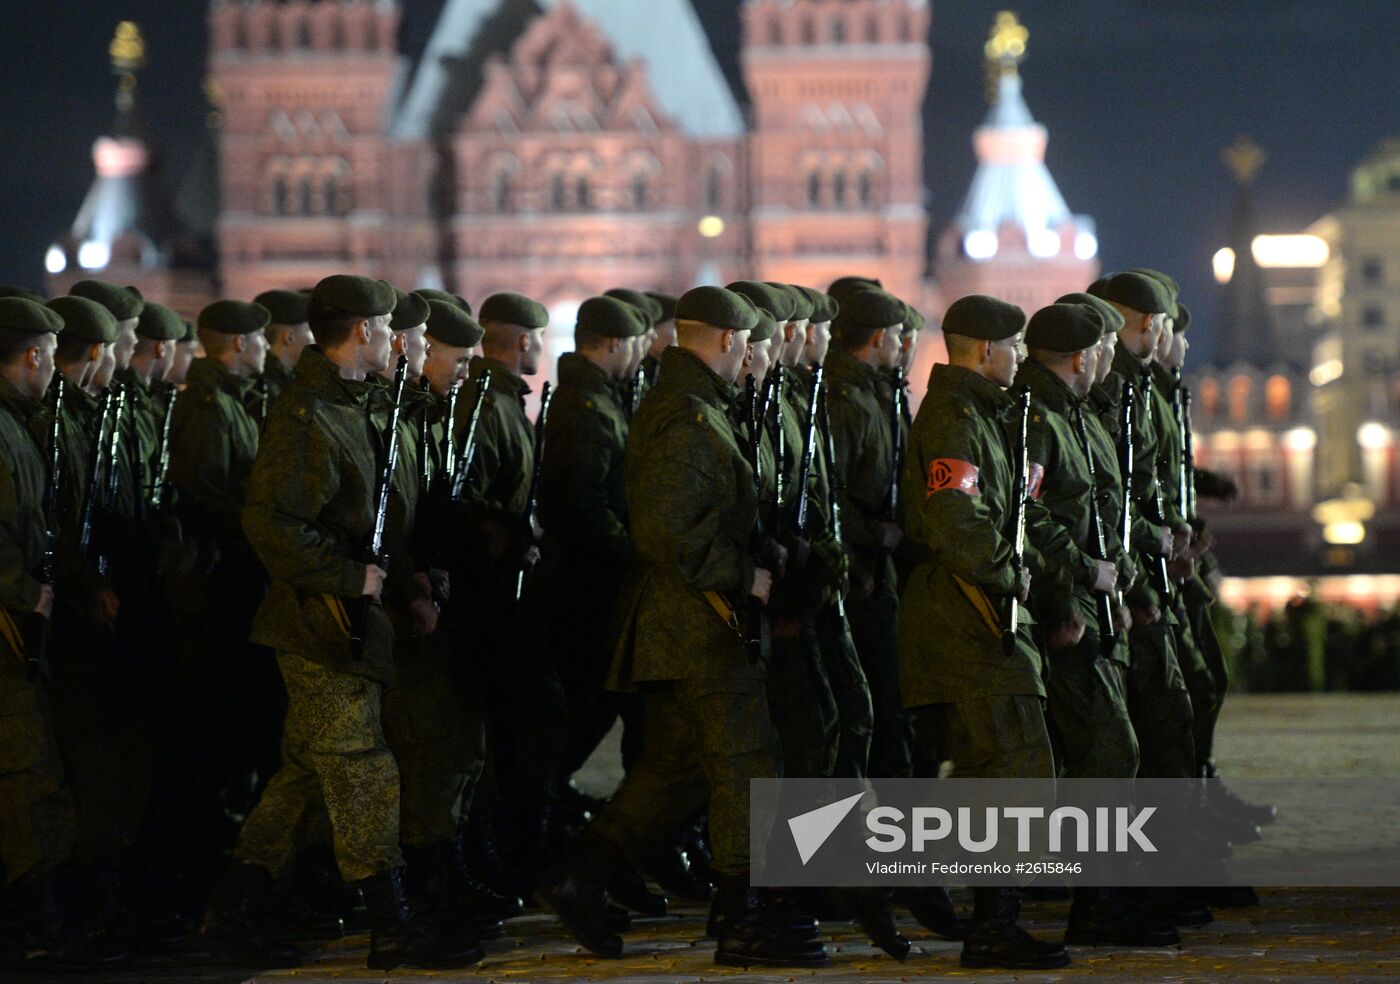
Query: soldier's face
[(1175, 357), (255, 353), (1004, 357), (1107, 345), (185, 353), (818, 342), (909, 347), (165, 358), (734, 348), (797, 342), (297, 339), (758, 360), (378, 343), (888, 348), (637, 349), (39, 366), (1088, 370), (445, 366), (102, 375), (532, 352), (415, 346), (126, 342)]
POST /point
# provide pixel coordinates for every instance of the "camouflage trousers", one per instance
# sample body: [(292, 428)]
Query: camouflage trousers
[(875, 632), (802, 705), (703, 741), (1087, 705), (439, 744), (1159, 705), (1000, 737), (855, 718), (334, 759), (1206, 675), (37, 821)]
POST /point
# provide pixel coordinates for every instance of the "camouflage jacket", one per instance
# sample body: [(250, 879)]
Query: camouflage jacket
[(691, 499), (213, 441), (957, 492), (860, 426), (24, 475), (309, 516)]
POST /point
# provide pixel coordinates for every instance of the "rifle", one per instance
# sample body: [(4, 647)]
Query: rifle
[(39, 629), (1178, 414), (773, 398), (113, 459), (532, 509), (752, 630), (1099, 547), (635, 391), (94, 487), (374, 552), (891, 510), (264, 393), (1159, 570), (809, 452), (158, 486), (1018, 528), (836, 489), (467, 455), (448, 451), (1186, 471)]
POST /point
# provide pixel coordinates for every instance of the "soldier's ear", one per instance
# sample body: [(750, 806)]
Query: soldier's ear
[(240, 343)]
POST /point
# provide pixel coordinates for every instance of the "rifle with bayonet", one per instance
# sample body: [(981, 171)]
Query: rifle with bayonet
[(39, 629), (752, 628), (635, 390), (890, 513), (773, 399), (1163, 579), (1020, 493), (114, 473), (94, 488), (160, 485), (1098, 546), (809, 454), (374, 552), (836, 489), (532, 508)]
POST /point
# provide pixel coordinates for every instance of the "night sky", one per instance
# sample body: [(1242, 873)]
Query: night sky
[(1139, 96)]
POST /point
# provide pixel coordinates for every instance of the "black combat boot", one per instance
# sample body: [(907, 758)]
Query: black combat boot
[(933, 908), (669, 866), (1178, 906), (873, 909), (995, 938), (483, 857), (401, 936), (753, 931), (573, 890), (237, 919), (629, 889), (437, 888), (1103, 917), (1228, 802), (289, 909)]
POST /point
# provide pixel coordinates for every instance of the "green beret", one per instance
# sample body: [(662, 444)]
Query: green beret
[(123, 302), (1109, 317), (514, 309), (823, 307), (668, 305), (1096, 288), (1182, 321), (160, 324), (869, 309), (845, 286), (645, 303), (980, 316), (410, 311), (774, 300), (189, 335), (433, 294), (802, 304), (914, 321), (766, 328), (612, 317), (23, 292), (363, 297), (718, 308), (1173, 288), (1064, 328), (288, 307), (1138, 292), (234, 318), (24, 316), (85, 319), (450, 325)]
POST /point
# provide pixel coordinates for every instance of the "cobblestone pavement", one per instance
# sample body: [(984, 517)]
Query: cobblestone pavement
[(1295, 935)]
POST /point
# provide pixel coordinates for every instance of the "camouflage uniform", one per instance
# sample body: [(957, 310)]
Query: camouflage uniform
[(36, 807), (692, 503), (1087, 700), (860, 424), (976, 705), (276, 377), (309, 514)]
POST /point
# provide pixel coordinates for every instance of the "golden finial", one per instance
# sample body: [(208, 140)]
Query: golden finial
[(214, 96), (1006, 45), (127, 49), (1244, 157)]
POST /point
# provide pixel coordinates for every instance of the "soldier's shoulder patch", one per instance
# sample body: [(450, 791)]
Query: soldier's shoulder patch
[(953, 474)]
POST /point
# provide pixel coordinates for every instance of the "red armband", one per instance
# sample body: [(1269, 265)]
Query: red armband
[(953, 473)]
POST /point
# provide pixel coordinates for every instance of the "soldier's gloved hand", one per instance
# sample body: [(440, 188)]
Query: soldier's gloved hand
[(1181, 542), (531, 558), (799, 557), (1182, 568), (441, 582), (762, 584), (890, 535), (1067, 634), (423, 616), (1146, 616), (1122, 618), (536, 530), (774, 556), (374, 581), (44, 606), (1166, 544), (1023, 584), (1107, 578), (105, 606)]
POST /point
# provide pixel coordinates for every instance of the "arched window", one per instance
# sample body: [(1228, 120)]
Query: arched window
[(1278, 394), (714, 189), (337, 34), (814, 190), (501, 191), (837, 32), (306, 195), (583, 193), (330, 195), (1210, 398), (809, 31), (865, 189), (838, 189), (303, 35), (1239, 399), (872, 28), (556, 191), (281, 196), (639, 190)]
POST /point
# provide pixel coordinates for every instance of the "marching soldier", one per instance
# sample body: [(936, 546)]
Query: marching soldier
[(664, 336), (287, 334), (974, 702), (187, 349)]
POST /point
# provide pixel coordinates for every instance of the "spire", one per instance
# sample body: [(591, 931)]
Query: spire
[(1012, 186), (126, 217), (1246, 329)]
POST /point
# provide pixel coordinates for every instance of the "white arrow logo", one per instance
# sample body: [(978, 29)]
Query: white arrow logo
[(811, 830)]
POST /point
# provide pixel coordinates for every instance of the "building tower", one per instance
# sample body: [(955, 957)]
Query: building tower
[(836, 155), (126, 230), (1014, 237), (302, 160), (1246, 329)]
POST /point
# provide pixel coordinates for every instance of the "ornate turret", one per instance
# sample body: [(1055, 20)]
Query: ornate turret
[(1246, 330), (1014, 236)]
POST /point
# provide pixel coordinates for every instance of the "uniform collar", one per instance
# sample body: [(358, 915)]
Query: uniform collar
[(956, 379), (501, 377), (208, 373), (683, 372), (318, 374), (1049, 389), (582, 372), (852, 371)]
